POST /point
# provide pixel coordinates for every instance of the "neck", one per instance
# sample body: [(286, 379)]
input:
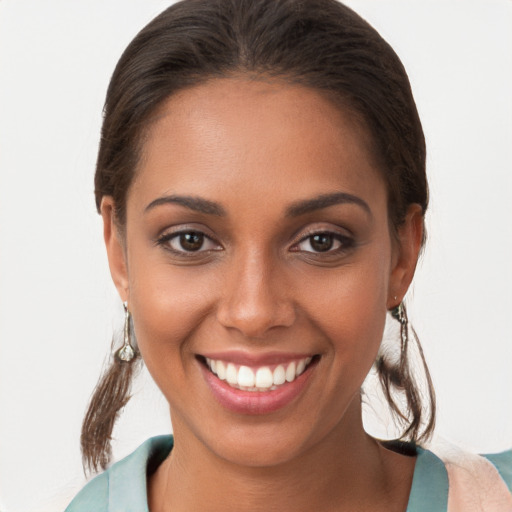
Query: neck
[(335, 474)]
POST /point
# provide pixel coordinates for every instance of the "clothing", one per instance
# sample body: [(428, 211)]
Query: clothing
[(122, 488)]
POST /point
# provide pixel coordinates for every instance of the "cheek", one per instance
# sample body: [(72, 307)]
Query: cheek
[(168, 304), (350, 310)]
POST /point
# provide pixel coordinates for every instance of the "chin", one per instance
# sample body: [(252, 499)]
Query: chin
[(261, 450)]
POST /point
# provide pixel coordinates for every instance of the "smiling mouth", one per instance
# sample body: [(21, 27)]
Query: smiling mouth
[(261, 378)]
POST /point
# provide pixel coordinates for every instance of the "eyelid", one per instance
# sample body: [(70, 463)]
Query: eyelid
[(347, 240), (318, 229), (171, 233), (184, 228)]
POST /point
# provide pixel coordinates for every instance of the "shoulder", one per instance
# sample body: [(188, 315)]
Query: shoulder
[(477, 482), (94, 496), (453, 479), (125, 481), (497, 466), (503, 463)]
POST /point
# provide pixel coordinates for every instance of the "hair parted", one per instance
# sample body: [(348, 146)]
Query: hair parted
[(321, 44)]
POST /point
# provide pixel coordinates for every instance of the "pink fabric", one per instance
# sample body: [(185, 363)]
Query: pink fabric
[(475, 484)]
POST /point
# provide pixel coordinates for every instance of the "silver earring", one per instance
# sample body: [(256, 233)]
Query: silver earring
[(400, 315), (126, 353)]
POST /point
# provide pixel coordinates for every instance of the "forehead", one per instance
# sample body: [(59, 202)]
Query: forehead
[(238, 135)]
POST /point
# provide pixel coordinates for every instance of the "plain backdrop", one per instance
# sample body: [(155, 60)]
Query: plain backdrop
[(58, 308)]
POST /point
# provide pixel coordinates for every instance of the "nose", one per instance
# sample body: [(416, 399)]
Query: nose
[(256, 298)]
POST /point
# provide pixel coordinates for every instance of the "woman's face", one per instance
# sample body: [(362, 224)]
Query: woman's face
[(258, 266)]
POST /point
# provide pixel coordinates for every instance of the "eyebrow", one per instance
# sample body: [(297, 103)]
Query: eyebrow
[(197, 204), (324, 201), (296, 209)]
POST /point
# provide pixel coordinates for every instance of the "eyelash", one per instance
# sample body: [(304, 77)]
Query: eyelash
[(345, 243), (166, 239)]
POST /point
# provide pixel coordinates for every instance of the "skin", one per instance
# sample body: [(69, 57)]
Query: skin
[(258, 285)]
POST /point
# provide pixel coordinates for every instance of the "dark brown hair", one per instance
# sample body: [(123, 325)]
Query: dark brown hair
[(321, 44)]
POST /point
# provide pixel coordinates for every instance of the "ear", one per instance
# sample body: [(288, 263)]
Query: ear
[(115, 247), (406, 252)]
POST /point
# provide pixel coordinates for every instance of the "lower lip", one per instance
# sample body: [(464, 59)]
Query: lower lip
[(255, 402)]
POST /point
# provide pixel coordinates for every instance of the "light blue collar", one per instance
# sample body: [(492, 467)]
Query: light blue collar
[(128, 479)]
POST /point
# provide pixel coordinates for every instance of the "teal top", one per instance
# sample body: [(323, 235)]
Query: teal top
[(122, 488)]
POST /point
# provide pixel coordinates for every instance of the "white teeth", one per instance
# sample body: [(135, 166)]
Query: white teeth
[(264, 378), (220, 370), (290, 372), (245, 377), (279, 375), (257, 379), (231, 374)]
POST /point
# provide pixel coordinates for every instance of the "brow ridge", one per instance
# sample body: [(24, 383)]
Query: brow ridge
[(197, 204), (325, 201)]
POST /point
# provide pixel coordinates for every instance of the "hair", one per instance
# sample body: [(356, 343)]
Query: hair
[(321, 44)]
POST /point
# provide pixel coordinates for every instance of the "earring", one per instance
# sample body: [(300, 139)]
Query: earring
[(126, 353), (400, 315)]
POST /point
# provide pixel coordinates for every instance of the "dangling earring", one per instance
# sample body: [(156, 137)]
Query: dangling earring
[(126, 353), (400, 315), (110, 396)]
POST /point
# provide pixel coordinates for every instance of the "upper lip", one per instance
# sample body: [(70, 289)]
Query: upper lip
[(240, 357)]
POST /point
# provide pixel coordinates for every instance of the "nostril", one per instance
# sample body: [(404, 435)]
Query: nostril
[(254, 319)]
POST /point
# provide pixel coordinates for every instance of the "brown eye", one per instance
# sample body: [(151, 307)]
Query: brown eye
[(191, 241), (324, 242), (188, 242), (321, 242)]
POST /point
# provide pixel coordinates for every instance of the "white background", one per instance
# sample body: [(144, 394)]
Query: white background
[(58, 308)]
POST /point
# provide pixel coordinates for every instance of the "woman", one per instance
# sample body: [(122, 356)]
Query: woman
[(261, 179)]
